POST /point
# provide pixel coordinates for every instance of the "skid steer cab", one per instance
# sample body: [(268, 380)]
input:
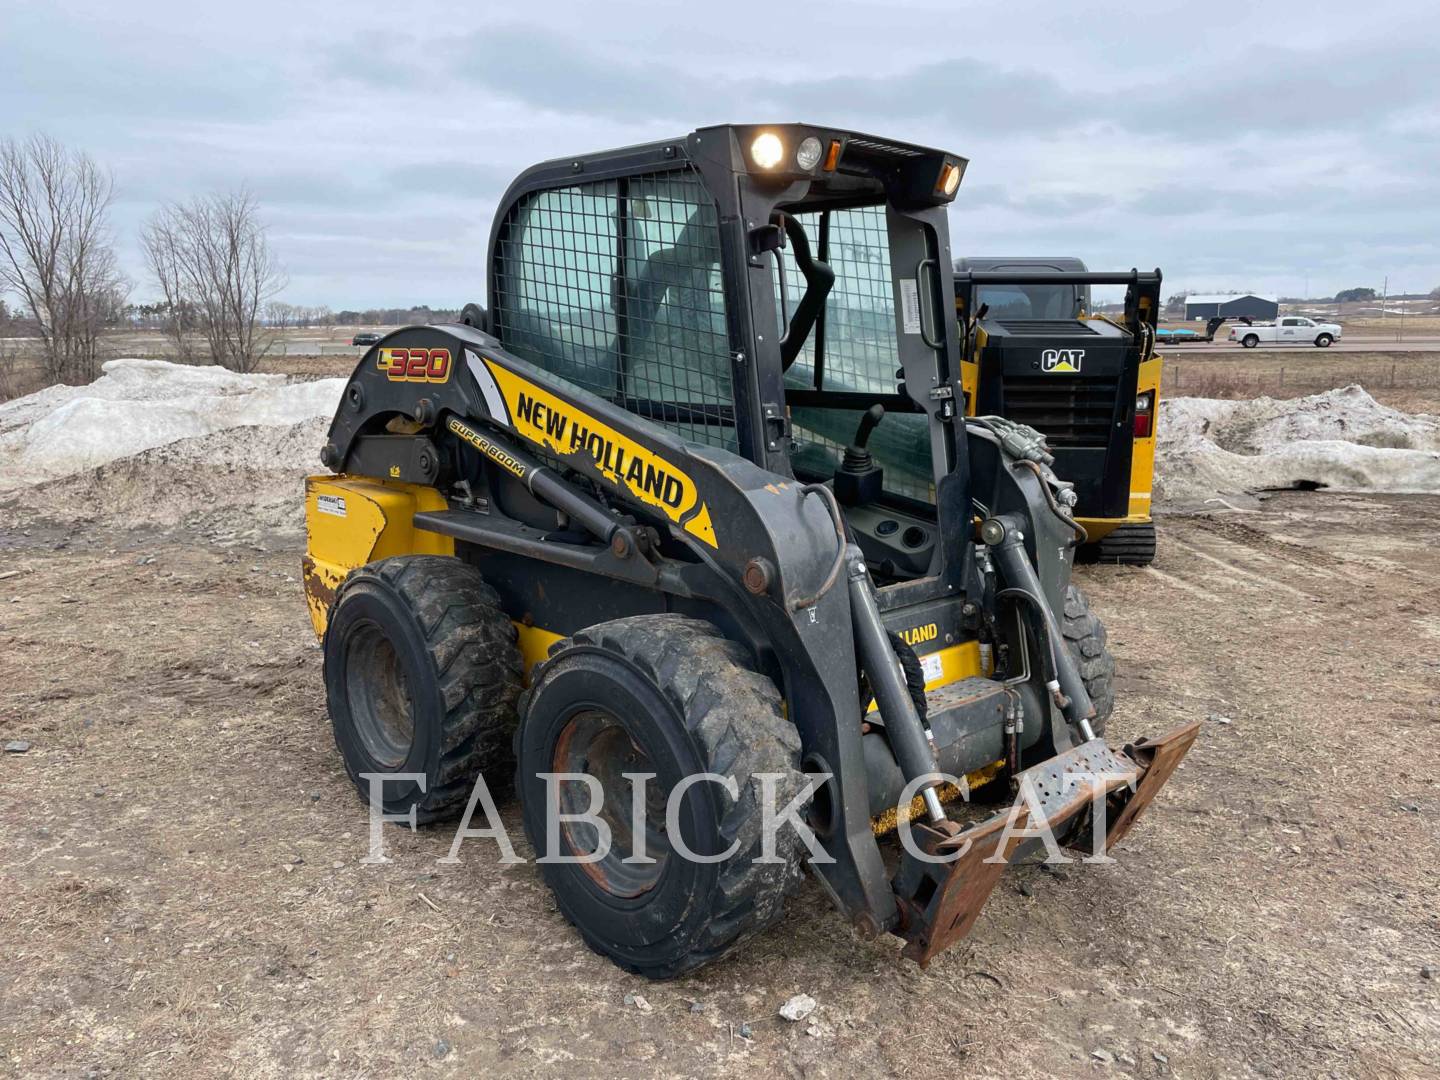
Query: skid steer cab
[(1034, 352), (684, 531)]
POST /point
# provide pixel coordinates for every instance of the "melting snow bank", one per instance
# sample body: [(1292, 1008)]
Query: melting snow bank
[(139, 404), (155, 443), (158, 444), (1342, 439)]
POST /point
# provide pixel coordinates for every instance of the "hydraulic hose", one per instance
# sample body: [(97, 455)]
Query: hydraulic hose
[(828, 497), (1081, 536), (1038, 624), (1018, 573)]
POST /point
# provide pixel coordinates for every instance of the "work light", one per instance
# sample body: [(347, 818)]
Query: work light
[(767, 150), (949, 179)]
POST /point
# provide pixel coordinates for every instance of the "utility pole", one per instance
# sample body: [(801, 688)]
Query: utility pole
[(1384, 297)]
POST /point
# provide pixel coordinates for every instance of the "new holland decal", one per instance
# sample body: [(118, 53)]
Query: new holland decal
[(918, 635), (543, 418), (1061, 359)]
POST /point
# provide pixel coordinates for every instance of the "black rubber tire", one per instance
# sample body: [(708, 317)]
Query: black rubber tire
[(455, 650), (1085, 638), (1128, 545), (1250, 340), (474, 315), (1323, 341), (691, 701)]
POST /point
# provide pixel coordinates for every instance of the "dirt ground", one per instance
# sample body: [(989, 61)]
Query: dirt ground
[(184, 893)]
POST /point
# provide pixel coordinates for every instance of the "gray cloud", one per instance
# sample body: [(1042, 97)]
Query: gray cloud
[(543, 70), (460, 179), (1252, 87), (1262, 148), (62, 66)]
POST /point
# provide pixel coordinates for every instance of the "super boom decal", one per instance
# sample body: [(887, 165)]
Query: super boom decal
[(495, 453), (547, 420)]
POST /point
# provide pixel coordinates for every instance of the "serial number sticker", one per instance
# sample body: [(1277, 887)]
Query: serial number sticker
[(330, 504), (910, 305), (932, 666)]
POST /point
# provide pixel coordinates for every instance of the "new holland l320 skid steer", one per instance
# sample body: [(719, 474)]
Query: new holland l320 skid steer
[(598, 532)]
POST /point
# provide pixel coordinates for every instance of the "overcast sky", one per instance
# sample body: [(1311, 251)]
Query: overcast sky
[(1250, 145)]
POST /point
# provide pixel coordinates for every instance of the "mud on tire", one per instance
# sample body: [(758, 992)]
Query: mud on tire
[(1085, 638), (422, 673), (670, 696)]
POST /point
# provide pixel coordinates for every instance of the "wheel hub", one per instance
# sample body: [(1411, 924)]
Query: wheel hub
[(595, 743), (379, 695)]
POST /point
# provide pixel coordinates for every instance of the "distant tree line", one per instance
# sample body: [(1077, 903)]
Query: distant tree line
[(1350, 296), (1358, 295), (419, 314), (282, 316)]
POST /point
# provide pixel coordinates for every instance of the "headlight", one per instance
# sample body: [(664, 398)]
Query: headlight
[(949, 179), (808, 154), (767, 150)]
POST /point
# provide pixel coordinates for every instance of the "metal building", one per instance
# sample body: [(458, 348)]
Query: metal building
[(1232, 305)]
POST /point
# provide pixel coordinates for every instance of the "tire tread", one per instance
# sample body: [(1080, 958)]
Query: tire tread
[(1086, 639), (734, 715), (473, 646)]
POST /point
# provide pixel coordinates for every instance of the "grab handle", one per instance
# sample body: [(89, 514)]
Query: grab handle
[(922, 293)]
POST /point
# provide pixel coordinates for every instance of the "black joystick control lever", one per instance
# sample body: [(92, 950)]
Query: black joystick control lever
[(859, 480)]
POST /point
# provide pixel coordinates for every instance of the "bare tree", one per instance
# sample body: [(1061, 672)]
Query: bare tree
[(162, 254), (8, 353), (56, 253), (223, 269), (282, 316)]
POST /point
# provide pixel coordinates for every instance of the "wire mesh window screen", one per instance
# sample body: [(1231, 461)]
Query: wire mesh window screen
[(617, 287), (860, 348), (556, 256), (861, 353), (676, 342)]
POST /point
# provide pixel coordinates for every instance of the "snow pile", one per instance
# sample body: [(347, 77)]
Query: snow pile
[(1342, 439), (239, 483), (139, 404), (152, 443)]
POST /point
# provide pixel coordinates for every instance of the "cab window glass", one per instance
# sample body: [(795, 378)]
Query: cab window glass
[(616, 287)]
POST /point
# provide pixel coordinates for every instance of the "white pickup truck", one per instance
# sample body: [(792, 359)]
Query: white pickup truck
[(1291, 330)]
